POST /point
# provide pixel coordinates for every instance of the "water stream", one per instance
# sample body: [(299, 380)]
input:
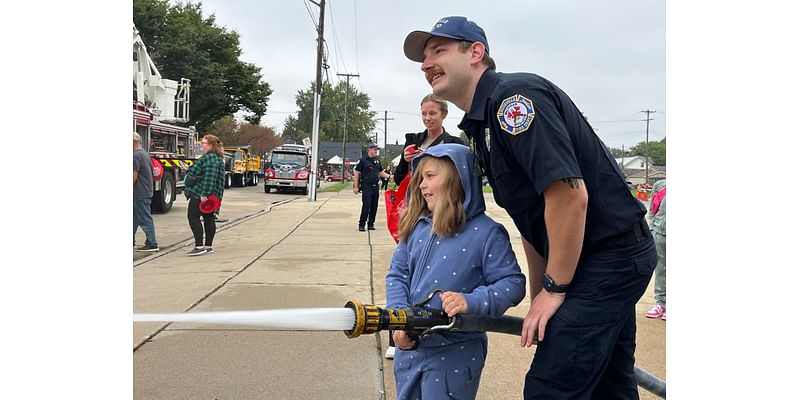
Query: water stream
[(312, 319)]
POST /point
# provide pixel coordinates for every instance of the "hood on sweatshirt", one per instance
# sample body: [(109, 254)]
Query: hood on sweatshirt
[(464, 160)]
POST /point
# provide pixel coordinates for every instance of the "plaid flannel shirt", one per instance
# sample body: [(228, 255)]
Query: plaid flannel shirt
[(211, 170)]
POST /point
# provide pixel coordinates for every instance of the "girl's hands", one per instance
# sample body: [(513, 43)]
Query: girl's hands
[(454, 303), (402, 340)]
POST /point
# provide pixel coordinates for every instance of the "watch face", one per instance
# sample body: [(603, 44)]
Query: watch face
[(551, 286)]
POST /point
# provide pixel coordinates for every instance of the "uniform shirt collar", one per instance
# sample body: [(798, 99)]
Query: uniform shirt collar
[(486, 85)]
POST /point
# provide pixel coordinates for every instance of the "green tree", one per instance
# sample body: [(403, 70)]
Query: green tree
[(360, 121), (184, 44), (657, 151), (293, 131)]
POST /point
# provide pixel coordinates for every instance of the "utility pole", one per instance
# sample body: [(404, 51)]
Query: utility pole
[(312, 180), (344, 138), (647, 146), (623, 161), (385, 129)]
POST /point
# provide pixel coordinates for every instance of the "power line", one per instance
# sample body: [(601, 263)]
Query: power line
[(313, 21)]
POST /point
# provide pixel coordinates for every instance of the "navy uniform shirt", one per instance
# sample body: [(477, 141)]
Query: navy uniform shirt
[(369, 169), (527, 134)]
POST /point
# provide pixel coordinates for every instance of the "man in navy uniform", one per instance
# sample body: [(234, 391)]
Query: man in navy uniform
[(590, 255), (368, 173)]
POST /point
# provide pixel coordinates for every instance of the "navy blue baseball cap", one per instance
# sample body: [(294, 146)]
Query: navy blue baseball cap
[(458, 28), (372, 146)]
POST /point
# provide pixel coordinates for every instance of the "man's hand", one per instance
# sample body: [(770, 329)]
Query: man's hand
[(355, 188), (402, 340), (544, 305), (454, 303), (203, 199)]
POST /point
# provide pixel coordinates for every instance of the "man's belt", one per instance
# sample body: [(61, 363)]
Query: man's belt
[(638, 232)]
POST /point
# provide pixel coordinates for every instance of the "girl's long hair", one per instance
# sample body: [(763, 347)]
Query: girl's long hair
[(216, 145), (449, 217)]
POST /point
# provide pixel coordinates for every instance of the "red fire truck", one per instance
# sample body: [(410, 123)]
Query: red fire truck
[(158, 106), (170, 147)]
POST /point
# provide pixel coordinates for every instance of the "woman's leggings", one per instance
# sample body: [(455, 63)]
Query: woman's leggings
[(209, 225)]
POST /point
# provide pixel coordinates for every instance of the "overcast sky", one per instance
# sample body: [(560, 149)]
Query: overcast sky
[(608, 56)]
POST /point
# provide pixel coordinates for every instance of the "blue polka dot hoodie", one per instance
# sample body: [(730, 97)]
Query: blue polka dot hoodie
[(478, 261)]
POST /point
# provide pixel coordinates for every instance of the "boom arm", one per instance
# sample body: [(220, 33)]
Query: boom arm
[(167, 99)]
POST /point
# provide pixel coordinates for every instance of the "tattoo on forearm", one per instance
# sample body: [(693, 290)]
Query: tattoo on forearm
[(574, 183)]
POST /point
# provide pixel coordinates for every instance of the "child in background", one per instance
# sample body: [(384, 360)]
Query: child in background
[(447, 242)]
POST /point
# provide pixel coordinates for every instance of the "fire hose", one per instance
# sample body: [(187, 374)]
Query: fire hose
[(422, 322)]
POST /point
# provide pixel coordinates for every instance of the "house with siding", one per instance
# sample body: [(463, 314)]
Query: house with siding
[(634, 168)]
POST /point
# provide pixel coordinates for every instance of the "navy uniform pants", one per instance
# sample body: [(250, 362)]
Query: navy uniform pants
[(589, 345), (369, 204)]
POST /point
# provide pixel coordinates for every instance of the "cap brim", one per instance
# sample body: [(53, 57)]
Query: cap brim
[(414, 45)]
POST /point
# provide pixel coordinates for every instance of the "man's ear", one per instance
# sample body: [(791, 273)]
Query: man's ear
[(478, 50)]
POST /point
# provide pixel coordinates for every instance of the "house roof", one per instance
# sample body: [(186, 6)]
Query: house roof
[(640, 173)]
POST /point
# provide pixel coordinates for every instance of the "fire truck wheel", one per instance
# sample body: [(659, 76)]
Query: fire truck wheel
[(228, 181), (266, 189), (163, 199)]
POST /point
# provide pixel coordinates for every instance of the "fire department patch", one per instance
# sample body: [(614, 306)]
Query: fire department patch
[(515, 114)]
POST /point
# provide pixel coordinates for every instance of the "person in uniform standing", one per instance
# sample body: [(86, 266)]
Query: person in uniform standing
[(368, 172), (589, 251)]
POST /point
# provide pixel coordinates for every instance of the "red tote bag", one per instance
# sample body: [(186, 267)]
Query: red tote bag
[(395, 203)]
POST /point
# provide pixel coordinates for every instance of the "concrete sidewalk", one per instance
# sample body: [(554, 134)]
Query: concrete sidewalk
[(294, 255)]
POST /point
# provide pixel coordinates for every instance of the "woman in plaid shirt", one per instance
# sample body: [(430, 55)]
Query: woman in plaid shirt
[(210, 170)]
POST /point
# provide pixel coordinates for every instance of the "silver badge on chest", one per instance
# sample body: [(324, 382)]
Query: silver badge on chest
[(488, 139)]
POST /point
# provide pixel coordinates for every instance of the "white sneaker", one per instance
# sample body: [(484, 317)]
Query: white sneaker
[(390, 353)]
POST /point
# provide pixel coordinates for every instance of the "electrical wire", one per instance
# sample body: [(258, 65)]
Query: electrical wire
[(310, 14)]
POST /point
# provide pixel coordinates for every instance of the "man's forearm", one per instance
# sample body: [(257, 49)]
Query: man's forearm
[(536, 267), (565, 218)]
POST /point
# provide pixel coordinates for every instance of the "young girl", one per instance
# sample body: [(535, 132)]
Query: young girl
[(447, 242)]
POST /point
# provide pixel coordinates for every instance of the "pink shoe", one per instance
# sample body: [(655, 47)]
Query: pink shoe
[(664, 316), (657, 311)]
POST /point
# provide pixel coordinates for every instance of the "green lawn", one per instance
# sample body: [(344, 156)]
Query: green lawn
[(337, 187)]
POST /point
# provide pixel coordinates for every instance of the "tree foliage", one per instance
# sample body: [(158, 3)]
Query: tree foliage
[(262, 139), (360, 121), (292, 130), (184, 44), (657, 150)]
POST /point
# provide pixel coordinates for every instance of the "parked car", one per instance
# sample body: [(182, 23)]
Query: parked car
[(338, 177)]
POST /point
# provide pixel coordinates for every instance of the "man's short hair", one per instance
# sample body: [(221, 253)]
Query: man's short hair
[(136, 137)]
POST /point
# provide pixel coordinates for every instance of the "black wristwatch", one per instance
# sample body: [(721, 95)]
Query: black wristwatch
[(551, 286)]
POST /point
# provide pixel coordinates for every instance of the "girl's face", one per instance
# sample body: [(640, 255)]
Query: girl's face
[(432, 182)]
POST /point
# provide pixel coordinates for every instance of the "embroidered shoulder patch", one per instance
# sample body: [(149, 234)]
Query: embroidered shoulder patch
[(515, 114)]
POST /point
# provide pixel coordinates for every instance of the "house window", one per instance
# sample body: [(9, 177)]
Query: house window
[(641, 164)]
